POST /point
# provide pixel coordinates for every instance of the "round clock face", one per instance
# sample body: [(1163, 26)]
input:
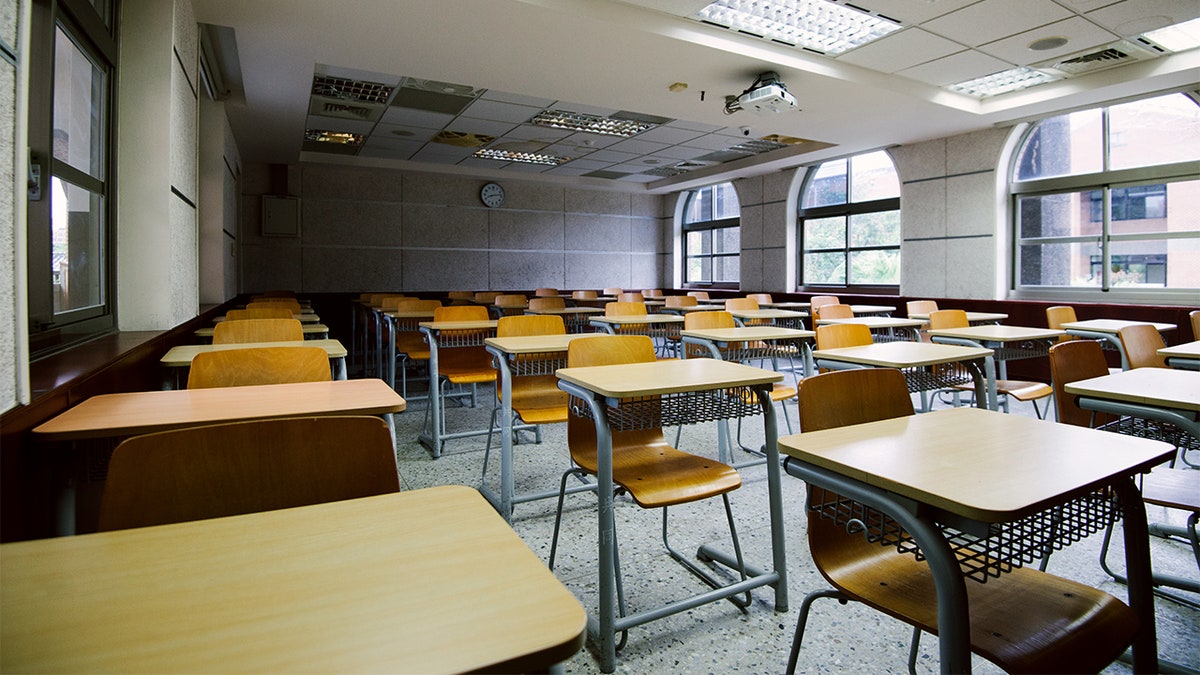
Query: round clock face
[(492, 195)]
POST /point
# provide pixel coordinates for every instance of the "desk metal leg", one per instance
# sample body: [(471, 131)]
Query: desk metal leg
[(1137, 567), (431, 436)]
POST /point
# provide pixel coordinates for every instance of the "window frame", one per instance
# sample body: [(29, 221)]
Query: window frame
[(711, 227), (844, 210), (51, 333), (1104, 181)]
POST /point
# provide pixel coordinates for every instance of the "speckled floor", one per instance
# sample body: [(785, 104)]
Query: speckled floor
[(719, 637)]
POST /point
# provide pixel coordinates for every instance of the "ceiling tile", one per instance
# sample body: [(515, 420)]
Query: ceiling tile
[(500, 111), (680, 152), (636, 146), (665, 134), (518, 99), (610, 156), (1088, 5), (478, 126), (339, 124), (960, 67), (403, 133), (588, 164), (910, 12), (712, 142), (901, 50), (531, 131), (1080, 33), (415, 118), (1134, 18), (993, 20)]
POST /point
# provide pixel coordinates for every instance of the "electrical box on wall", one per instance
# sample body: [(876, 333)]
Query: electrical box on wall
[(280, 216)]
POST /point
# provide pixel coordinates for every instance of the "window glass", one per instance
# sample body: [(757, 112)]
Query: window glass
[(875, 267), (1063, 146), (1154, 131), (881, 228), (712, 237), (79, 97), (77, 247), (825, 233), (827, 186), (873, 177), (824, 268)]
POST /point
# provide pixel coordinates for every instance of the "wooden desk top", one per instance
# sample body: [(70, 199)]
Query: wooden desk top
[(1187, 350), (640, 318), (994, 333), (411, 314), (902, 354), (534, 344), (129, 414), (304, 328), (307, 317), (748, 333), (985, 465), (877, 322), (1111, 325), (871, 309), (785, 305), (767, 314), (428, 581), (1162, 387), (182, 355), (972, 317), (666, 377), (458, 325)]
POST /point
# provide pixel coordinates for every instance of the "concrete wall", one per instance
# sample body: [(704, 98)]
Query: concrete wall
[(371, 229), (220, 179), (12, 163)]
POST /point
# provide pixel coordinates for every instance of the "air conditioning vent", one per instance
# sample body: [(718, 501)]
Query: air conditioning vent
[(1109, 56)]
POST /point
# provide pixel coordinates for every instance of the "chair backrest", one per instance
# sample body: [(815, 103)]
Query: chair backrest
[(388, 302), (510, 301), (631, 296), (1057, 315), (655, 293), (1072, 361), (530, 324), (921, 307), (699, 295), (291, 305), (461, 313), (259, 313), (948, 318), (714, 319), (818, 300), (840, 398), (547, 303), (1141, 343), (276, 294), (584, 295), (607, 350), (833, 312), (625, 309), (681, 301), (486, 297), (245, 467), (837, 335), (760, 298), (257, 330), (417, 305), (546, 293), (736, 304), (613, 290), (461, 295), (258, 365)]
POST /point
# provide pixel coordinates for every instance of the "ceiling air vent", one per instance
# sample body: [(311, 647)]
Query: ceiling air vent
[(1108, 56)]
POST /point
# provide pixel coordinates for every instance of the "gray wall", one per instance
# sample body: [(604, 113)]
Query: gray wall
[(374, 229), (10, 323)]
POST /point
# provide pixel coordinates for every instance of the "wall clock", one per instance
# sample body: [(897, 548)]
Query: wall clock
[(492, 195)]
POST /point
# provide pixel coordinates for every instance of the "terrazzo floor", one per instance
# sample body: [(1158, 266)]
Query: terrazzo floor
[(719, 637)]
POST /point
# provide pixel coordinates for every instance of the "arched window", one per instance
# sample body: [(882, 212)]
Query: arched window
[(712, 235), (849, 223), (1109, 198)]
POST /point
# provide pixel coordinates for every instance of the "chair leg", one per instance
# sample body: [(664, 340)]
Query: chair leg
[(702, 574), (802, 621), (487, 449), (914, 647)]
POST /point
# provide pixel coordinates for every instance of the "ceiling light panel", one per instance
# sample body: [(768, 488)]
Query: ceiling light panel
[(523, 157), (818, 25), (593, 124), (350, 90), (334, 137), (1177, 38), (1002, 83)]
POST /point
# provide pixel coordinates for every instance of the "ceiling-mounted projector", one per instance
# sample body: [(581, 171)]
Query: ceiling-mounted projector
[(767, 94)]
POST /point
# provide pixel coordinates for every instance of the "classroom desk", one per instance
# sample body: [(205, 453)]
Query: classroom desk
[(786, 305), (883, 328), (517, 357), (1185, 356), (947, 477), (973, 318), (754, 343), (1160, 394), (872, 310), (396, 322), (497, 311), (447, 335), (574, 318), (776, 317), (427, 581), (307, 317), (683, 392), (1106, 330), (1008, 343), (311, 331), (687, 309), (662, 328), (915, 359), (180, 356)]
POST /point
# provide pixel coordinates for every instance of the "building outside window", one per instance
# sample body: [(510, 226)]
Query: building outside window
[(1108, 199), (849, 224), (712, 236)]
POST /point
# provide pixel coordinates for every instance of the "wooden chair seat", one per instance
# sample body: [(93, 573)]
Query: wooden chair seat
[(413, 345), (1022, 390), (538, 400), (466, 365), (1025, 621)]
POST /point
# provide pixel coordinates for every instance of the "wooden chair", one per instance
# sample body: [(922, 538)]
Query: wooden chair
[(257, 330), (460, 297), (838, 335), (1057, 315), (1022, 390), (623, 308), (547, 303), (921, 307), (486, 297), (1024, 621), (654, 293), (546, 293), (631, 296), (761, 298), (1141, 343), (411, 347), (584, 295), (292, 305), (740, 304), (699, 295), (246, 467), (817, 300), (463, 365), (508, 304), (259, 313), (258, 365), (676, 301), (536, 399), (614, 291), (1194, 315), (653, 472), (389, 302), (838, 311)]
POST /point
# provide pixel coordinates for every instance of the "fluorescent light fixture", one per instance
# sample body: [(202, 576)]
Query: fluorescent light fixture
[(524, 157), (1002, 82), (339, 137), (594, 124), (1177, 38), (818, 25)]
